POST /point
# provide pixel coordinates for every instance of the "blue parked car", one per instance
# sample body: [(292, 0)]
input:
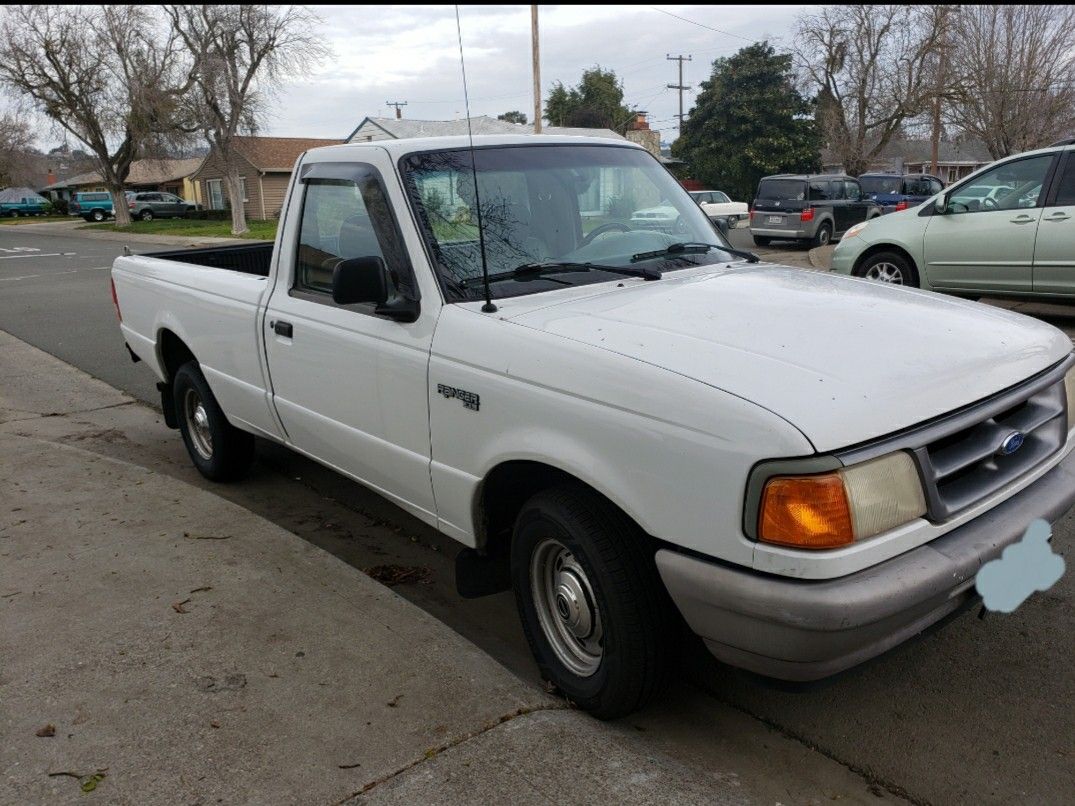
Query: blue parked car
[(92, 206), (15, 202), (894, 192)]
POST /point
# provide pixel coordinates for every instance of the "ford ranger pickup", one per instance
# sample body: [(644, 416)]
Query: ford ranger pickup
[(631, 428)]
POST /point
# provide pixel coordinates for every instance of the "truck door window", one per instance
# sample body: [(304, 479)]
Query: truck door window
[(344, 219)]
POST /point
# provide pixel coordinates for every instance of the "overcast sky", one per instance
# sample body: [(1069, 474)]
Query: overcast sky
[(411, 53)]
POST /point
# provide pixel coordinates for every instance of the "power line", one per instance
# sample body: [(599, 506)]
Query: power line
[(700, 25), (398, 105)]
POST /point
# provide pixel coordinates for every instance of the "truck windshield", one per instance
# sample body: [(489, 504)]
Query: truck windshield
[(571, 205)]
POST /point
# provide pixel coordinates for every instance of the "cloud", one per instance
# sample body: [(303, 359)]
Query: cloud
[(1025, 567)]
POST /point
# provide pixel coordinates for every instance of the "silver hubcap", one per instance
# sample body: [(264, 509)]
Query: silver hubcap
[(824, 236), (566, 607), (885, 272), (198, 424)]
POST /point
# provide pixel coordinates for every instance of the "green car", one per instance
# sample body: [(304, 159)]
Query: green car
[(1006, 230)]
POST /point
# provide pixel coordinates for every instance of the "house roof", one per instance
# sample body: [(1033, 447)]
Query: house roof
[(277, 154), (143, 172), (406, 128)]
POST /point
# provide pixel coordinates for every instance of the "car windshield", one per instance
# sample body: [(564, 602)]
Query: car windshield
[(781, 189), (556, 212), (879, 184)]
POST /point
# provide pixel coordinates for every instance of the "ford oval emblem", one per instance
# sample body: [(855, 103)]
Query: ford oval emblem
[(1012, 443)]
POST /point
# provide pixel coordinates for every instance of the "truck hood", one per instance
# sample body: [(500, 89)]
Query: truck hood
[(844, 360)]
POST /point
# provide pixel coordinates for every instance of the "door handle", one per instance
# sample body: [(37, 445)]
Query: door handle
[(1058, 217), (282, 329), (1023, 219)]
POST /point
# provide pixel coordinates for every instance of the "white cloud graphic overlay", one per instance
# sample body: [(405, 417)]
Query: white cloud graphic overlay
[(1025, 567)]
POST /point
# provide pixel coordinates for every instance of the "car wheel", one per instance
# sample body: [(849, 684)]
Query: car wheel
[(146, 215), (823, 235), (761, 240), (220, 451), (888, 267), (594, 611), (98, 215), (14, 214)]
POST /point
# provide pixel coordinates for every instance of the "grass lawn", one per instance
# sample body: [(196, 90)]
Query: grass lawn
[(259, 230)]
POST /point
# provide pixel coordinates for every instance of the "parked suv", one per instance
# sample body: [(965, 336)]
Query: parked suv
[(149, 205), (1006, 230), (94, 206), (812, 209), (895, 193)]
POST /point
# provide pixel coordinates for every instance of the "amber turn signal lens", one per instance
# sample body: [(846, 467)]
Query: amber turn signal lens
[(810, 512)]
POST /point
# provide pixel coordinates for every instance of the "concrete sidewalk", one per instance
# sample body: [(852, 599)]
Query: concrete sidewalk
[(174, 647), (80, 229)]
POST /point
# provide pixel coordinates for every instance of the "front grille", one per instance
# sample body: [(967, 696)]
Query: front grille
[(959, 456), (966, 466)]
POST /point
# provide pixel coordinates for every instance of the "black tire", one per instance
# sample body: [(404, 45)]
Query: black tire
[(636, 616), (881, 264), (14, 214), (230, 451), (98, 215), (146, 215), (761, 240), (823, 236)]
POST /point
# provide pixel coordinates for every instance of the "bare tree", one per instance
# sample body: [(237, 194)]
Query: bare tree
[(873, 68), (1016, 75), (108, 75), (242, 54), (16, 139)]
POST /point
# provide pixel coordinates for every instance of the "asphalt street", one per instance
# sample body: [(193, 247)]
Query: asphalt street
[(977, 712)]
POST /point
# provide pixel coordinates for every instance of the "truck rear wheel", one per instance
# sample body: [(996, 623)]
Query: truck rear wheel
[(592, 605), (220, 451), (98, 215)]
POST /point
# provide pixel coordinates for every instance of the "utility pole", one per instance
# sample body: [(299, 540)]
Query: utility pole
[(680, 86), (397, 105), (935, 140), (537, 67)]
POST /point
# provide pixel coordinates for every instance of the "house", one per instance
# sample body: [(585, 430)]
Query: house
[(265, 169), (374, 129), (956, 159), (163, 175)]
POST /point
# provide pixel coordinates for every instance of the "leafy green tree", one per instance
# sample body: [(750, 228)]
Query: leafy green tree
[(513, 117), (749, 121), (597, 102)]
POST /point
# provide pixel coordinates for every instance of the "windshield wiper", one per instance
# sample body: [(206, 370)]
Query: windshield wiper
[(691, 247), (534, 270)]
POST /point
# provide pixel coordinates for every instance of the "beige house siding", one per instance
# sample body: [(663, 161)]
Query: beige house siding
[(274, 187), (213, 168)]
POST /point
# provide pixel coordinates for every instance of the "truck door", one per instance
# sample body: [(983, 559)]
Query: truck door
[(1054, 250), (349, 385)]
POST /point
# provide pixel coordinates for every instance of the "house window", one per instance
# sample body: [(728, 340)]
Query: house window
[(215, 191)]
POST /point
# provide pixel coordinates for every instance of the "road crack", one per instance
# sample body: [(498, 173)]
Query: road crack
[(433, 752)]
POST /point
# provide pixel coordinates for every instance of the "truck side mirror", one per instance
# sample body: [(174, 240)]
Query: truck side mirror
[(360, 279)]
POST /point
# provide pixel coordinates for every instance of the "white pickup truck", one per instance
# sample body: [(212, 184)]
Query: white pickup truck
[(635, 426)]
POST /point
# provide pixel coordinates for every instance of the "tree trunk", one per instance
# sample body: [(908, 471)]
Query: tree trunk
[(235, 199), (119, 206)]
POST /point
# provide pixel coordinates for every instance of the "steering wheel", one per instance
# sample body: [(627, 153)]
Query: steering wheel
[(609, 227), (989, 204)]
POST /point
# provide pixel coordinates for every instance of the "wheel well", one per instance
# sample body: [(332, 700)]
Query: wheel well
[(504, 491), (886, 247), (173, 352)]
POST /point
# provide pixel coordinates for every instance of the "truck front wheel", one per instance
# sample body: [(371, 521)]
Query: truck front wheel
[(220, 451), (593, 608)]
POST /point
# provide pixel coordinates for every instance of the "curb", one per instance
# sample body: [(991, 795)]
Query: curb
[(75, 230), (821, 257)]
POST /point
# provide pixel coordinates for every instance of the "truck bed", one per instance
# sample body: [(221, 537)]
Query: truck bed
[(252, 258)]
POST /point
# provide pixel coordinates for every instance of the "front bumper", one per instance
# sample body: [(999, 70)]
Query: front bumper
[(805, 630), (842, 260)]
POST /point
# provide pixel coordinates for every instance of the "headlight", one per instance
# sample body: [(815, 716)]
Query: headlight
[(855, 230), (1069, 387), (837, 508)]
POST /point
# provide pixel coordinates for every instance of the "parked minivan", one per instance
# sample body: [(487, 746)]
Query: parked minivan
[(895, 192), (93, 206), (810, 208)]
